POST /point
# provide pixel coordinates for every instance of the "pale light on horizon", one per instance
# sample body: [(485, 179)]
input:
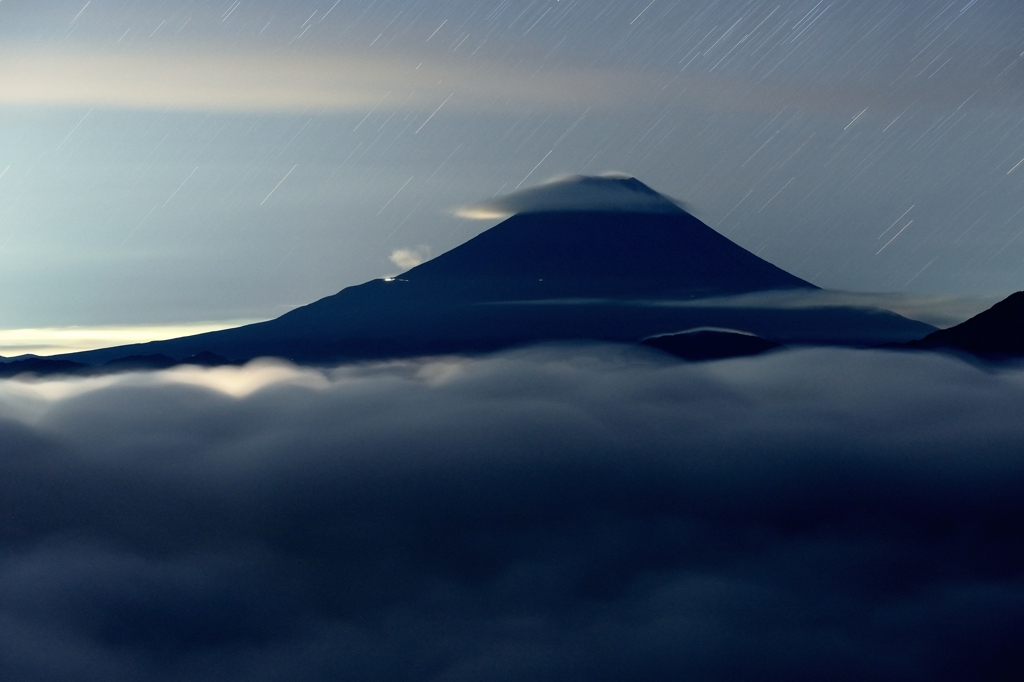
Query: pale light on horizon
[(45, 341)]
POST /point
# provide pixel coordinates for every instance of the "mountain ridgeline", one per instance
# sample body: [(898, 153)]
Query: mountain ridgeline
[(546, 276), (995, 334)]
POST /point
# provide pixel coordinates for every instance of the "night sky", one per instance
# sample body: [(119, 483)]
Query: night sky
[(176, 162)]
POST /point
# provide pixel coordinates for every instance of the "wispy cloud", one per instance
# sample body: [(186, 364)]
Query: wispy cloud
[(940, 311), (246, 80), (409, 258)]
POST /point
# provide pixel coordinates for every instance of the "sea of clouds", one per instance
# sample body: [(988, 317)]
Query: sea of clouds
[(558, 513)]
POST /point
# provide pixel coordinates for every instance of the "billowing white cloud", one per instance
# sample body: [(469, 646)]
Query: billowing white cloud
[(564, 513), (410, 258)]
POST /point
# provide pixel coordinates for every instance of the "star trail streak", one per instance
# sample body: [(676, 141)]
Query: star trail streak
[(798, 129)]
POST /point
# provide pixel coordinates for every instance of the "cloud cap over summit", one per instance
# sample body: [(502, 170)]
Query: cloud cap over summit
[(606, 192)]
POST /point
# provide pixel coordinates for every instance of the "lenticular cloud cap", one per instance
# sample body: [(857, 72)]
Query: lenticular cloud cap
[(605, 192)]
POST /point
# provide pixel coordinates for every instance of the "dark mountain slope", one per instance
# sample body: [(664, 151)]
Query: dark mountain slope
[(537, 277), (598, 254), (710, 344)]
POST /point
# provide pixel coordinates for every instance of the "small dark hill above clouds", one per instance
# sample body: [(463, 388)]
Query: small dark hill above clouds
[(711, 344), (996, 334), (585, 258), (37, 365)]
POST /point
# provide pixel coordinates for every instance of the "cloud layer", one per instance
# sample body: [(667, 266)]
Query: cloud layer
[(567, 513), (940, 311)]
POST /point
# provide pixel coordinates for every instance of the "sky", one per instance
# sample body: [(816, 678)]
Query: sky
[(164, 163)]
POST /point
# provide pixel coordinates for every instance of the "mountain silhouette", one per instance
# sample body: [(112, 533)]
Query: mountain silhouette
[(995, 334), (597, 254), (548, 275)]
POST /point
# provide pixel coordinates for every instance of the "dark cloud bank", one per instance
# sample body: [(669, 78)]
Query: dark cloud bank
[(552, 514)]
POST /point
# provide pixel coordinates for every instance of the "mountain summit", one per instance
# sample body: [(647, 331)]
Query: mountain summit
[(597, 254), (603, 259), (607, 192)]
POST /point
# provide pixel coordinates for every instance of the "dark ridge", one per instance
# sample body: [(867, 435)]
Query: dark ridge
[(137, 362), (995, 334), (161, 361), (36, 365), (52, 367), (205, 359), (15, 358)]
